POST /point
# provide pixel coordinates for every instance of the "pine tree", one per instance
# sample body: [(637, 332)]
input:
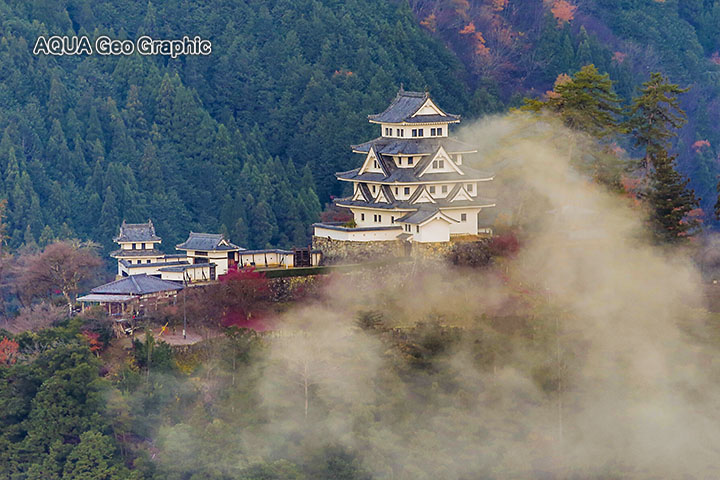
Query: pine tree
[(670, 201), (585, 102), (655, 115)]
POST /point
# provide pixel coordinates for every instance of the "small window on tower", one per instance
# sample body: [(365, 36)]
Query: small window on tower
[(376, 164), (374, 218), (392, 219), (362, 217), (432, 132), (444, 188), (380, 218), (441, 163), (373, 188), (414, 132), (439, 132), (463, 217), (407, 190), (411, 160), (435, 164), (134, 246), (399, 160), (470, 187), (417, 228), (147, 261), (420, 132), (396, 190), (432, 189)]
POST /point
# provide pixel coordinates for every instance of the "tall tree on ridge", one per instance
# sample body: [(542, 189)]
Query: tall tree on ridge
[(655, 115)]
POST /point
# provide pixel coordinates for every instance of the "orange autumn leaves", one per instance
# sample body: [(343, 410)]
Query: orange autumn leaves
[(480, 46), (562, 10)]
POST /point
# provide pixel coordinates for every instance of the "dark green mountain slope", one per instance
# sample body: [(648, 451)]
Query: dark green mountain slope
[(244, 141)]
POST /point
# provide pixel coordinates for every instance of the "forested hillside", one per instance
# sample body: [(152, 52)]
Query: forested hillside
[(519, 47), (244, 141)]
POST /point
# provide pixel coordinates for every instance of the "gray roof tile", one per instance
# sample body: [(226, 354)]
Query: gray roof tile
[(137, 285), (404, 105), (206, 242), (137, 232)]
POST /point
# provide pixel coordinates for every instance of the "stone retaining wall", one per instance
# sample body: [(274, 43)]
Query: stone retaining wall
[(344, 251)]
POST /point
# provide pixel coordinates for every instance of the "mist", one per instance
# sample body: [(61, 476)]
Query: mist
[(587, 355)]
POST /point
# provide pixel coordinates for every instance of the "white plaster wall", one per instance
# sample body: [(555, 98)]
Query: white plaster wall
[(434, 231)]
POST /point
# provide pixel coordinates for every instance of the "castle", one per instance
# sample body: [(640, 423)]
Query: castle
[(413, 186)]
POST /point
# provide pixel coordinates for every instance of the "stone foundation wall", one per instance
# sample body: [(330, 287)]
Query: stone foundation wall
[(343, 251)]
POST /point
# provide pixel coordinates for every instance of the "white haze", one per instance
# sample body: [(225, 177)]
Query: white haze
[(638, 396)]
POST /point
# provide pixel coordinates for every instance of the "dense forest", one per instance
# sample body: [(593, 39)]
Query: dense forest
[(246, 141)]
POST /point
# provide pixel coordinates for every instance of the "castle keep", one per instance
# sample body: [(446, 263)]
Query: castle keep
[(413, 185)]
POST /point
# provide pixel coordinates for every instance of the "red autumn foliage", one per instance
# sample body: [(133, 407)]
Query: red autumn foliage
[(469, 28), (93, 340), (333, 213), (505, 245), (244, 295), (8, 351), (499, 5), (700, 144), (563, 11), (430, 22)]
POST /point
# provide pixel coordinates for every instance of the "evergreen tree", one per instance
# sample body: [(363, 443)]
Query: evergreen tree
[(585, 102), (670, 201), (655, 115)]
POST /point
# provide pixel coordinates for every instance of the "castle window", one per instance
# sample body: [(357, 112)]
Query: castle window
[(444, 188), (407, 190), (432, 189), (441, 163), (380, 218), (420, 132), (410, 160), (148, 261), (463, 217), (439, 131), (399, 160), (417, 228), (362, 217), (376, 164), (392, 219), (373, 188), (435, 164), (134, 246), (432, 132), (400, 132), (142, 245), (396, 190), (414, 132), (470, 187), (374, 218)]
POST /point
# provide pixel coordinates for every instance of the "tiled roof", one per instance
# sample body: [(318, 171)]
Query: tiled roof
[(405, 205), (404, 105), (136, 285), (148, 252), (206, 242), (409, 175), (414, 146), (137, 232)]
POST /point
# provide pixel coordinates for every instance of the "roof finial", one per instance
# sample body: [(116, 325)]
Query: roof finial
[(402, 88)]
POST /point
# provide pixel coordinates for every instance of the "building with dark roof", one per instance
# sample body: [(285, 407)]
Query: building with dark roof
[(138, 243), (210, 248), (132, 294), (413, 184)]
